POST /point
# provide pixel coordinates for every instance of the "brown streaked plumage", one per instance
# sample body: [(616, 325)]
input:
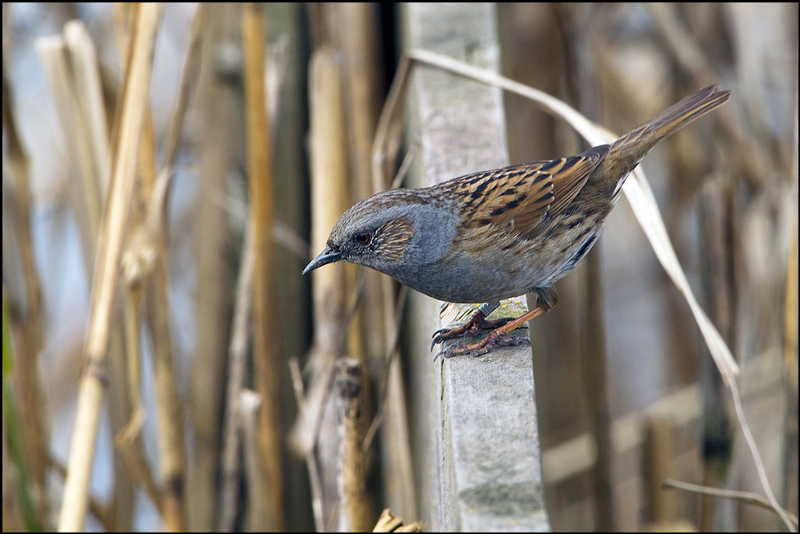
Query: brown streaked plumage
[(500, 233)]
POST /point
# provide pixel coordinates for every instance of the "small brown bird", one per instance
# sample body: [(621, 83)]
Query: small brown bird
[(500, 233)]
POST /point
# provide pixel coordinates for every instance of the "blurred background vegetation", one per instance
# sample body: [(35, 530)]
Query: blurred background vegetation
[(196, 434)]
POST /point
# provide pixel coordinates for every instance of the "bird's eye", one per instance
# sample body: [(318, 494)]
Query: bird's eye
[(363, 238)]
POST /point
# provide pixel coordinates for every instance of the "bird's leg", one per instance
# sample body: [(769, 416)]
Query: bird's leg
[(497, 337), (547, 298), (478, 320)]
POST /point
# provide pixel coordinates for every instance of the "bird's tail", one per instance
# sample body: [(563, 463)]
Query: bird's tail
[(629, 149)]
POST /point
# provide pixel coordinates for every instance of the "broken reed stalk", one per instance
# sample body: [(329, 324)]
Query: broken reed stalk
[(388, 522), (250, 403), (28, 388), (266, 509), (658, 457), (84, 196), (88, 90), (90, 396), (354, 506)]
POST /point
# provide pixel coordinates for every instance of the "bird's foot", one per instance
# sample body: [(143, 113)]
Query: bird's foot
[(478, 320), (495, 338), (500, 336)]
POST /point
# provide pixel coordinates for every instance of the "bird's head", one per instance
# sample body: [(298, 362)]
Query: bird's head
[(388, 232)]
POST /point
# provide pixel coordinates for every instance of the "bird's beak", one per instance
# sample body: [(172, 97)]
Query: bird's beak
[(325, 257)]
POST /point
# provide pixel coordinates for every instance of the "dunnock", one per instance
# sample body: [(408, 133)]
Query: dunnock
[(500, 233)]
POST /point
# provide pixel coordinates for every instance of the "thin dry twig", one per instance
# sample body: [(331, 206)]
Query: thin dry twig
[(751, 443), (742, 496)]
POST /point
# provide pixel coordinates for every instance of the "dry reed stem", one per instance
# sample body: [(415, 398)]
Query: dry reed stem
[(141, 255), (594, 372), (102, 513), (267, 509), (85, 196), (390, 359), (157, 207), (128, 443), (790, 342), (250, 403), (237, 366), (169, 413), (239, 344), (351, 481), (30, 341), (594, 363), (311, 459), (218, 148), (135, 96), (170, 418), (188, 84), (717, 277), (330, 197), (89, 93), (659, 451), (392, 409), (355, 33)]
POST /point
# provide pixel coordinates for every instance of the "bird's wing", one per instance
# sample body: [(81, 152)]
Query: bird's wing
[(570, 175), (522, 194)]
